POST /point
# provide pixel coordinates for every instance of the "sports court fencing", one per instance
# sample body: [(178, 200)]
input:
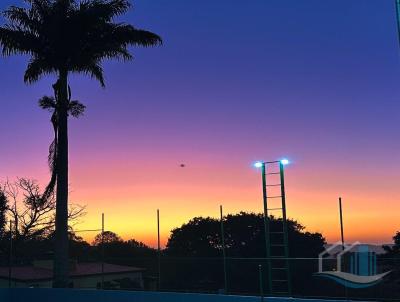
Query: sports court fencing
[(106, 266), (245, 276)]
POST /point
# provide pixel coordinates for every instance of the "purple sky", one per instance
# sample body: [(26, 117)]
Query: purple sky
[(235, 81)]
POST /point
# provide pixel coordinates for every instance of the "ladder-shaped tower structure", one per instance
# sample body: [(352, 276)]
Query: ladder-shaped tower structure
[(276, 234)]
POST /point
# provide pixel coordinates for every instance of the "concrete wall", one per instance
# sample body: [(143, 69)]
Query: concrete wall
[(73, 295)]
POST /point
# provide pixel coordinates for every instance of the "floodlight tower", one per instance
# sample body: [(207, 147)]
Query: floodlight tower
[(276, 241)]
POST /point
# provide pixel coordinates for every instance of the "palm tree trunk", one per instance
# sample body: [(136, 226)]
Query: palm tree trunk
[(61, 261)]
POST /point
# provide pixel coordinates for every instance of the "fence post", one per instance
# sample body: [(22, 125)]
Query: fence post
[(102, 251), (10, 257), (260, 277), (158, 250), (223, 249)]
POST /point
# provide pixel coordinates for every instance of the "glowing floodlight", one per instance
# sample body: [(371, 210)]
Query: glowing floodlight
[(285, 161), (258, 164)]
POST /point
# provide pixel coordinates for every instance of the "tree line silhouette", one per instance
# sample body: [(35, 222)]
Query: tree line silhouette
[(192, 258)]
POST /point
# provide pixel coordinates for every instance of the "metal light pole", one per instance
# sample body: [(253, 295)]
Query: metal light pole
[(102, 250), (271, 255), (10, 257), (158, 250), (341, 221), (223, 249), (266, 218), (266, 221), (341, 234), (261, 283), (285, 230)]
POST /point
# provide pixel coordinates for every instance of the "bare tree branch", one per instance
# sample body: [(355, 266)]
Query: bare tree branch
[(34, 215)]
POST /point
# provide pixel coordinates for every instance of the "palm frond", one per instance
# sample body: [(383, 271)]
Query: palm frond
[(117, 7), (105, 10), (40, 8), (93, 69), (136, 37), (36, 69), (119, 53), (71, 35), (21, 17), (47, 103), (51, 159), (15, 40), (96, 72), (76, 109)]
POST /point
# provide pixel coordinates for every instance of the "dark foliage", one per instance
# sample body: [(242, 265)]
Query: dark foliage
[(193, 254), (201, 237), (107, 237), (33, 217), (393, 251), (70, 35), (3, 212), (115, 247)]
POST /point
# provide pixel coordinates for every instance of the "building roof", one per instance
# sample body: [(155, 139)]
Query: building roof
[(32, 273)]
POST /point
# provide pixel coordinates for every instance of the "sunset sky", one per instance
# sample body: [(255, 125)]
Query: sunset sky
[(315, 81)]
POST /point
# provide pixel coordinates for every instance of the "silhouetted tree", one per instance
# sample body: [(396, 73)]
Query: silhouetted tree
[(198, 237), (75, 109), (43, 248), (193, 254), (396, 241), (107, 237), (33, 217), (33, 220), (244, 237), (3, 212), (390, 261), (393, 251), (63, 37), (119, 251)]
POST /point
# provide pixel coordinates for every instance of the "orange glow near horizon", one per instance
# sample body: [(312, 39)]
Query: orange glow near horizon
[(129, 191), (232, 84), (130, 198)]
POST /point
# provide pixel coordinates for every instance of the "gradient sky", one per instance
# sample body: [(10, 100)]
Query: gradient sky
[(235, 81)]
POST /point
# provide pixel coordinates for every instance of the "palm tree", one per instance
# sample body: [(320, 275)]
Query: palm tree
[(63, 37), (75, 109)]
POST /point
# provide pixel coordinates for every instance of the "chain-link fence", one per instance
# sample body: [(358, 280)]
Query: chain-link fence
[(244, 276), (109, 263)]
